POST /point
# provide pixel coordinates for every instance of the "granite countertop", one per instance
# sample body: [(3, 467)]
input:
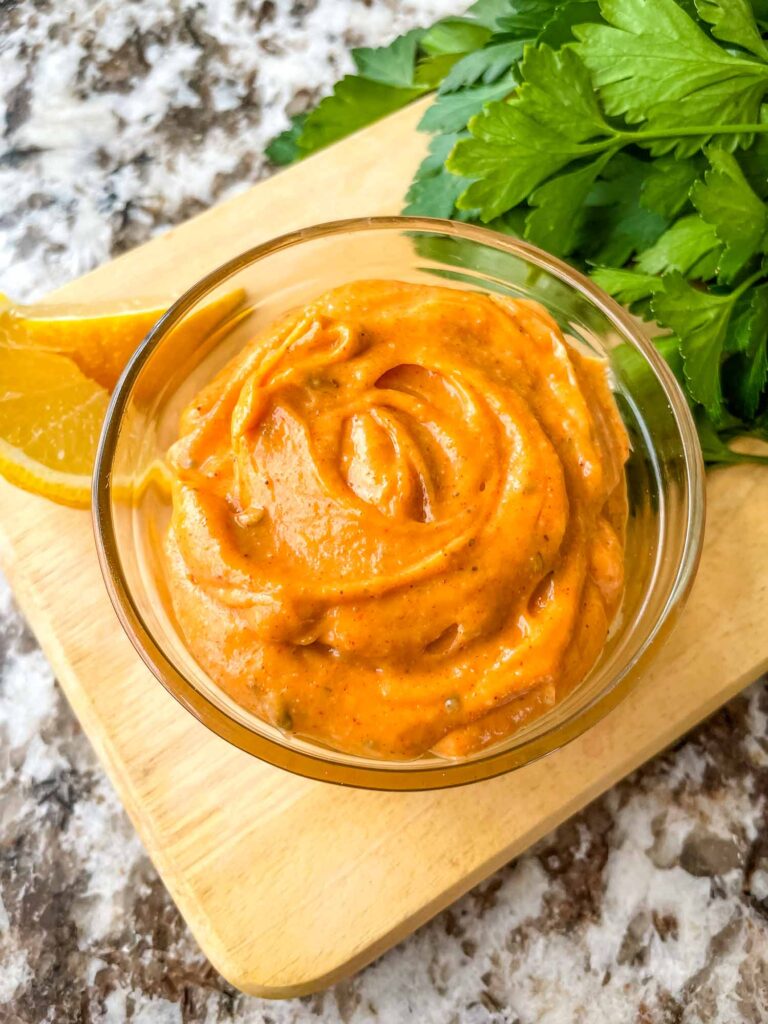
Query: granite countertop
[(119, 119)]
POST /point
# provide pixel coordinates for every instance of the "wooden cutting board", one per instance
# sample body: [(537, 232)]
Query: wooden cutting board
[(289, 884)]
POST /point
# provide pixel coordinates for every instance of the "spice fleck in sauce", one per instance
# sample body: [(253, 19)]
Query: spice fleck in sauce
[(398, 519)]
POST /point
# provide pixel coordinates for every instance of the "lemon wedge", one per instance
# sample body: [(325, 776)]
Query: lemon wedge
[(96, 337), (58, 364), (50, 420)]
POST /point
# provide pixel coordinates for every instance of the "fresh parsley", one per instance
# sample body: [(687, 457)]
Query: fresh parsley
[(628, 136)]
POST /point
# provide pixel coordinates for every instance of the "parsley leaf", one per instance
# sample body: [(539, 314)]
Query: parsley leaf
[(517, 145), (737, 338), (445, 44), (530, 21), (431, 71), (434, 191), (488, 12), (669, 347), (486, 65), (284, 148), (354, 103), (738, 217), (385, 84), (389, 78), (700, 319), (454, 35), (733, 22), (559, 208), (667, 187), (754, 161), (749, 369), (626, 286), (393, 64), (452, 111), (526, 18), (619, 225), (557, 93), (546, 21), (566, 15), (652, 63), (691, 246)]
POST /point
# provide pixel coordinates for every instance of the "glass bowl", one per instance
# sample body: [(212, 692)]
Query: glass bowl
[(212, 321)]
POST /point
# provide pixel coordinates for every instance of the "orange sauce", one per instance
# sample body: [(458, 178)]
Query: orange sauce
[(398, 519)]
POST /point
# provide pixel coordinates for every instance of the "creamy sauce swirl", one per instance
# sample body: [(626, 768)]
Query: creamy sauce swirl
[(398, 519)]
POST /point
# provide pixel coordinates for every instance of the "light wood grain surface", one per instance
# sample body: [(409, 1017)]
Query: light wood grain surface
[(289, 884)]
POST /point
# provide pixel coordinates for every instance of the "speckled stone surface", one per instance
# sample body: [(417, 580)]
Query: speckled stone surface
[(118, 119)]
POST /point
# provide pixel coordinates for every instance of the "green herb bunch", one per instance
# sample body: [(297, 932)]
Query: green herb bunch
[(627, 136)]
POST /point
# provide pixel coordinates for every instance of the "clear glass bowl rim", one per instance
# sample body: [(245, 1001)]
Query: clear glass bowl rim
[(389, 776)]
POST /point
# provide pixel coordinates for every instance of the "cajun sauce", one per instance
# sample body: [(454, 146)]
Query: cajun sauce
[(398, 519)]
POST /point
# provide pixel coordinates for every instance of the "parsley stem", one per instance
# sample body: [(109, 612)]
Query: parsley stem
[(620, 138), (746, 284), (680, 132)]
